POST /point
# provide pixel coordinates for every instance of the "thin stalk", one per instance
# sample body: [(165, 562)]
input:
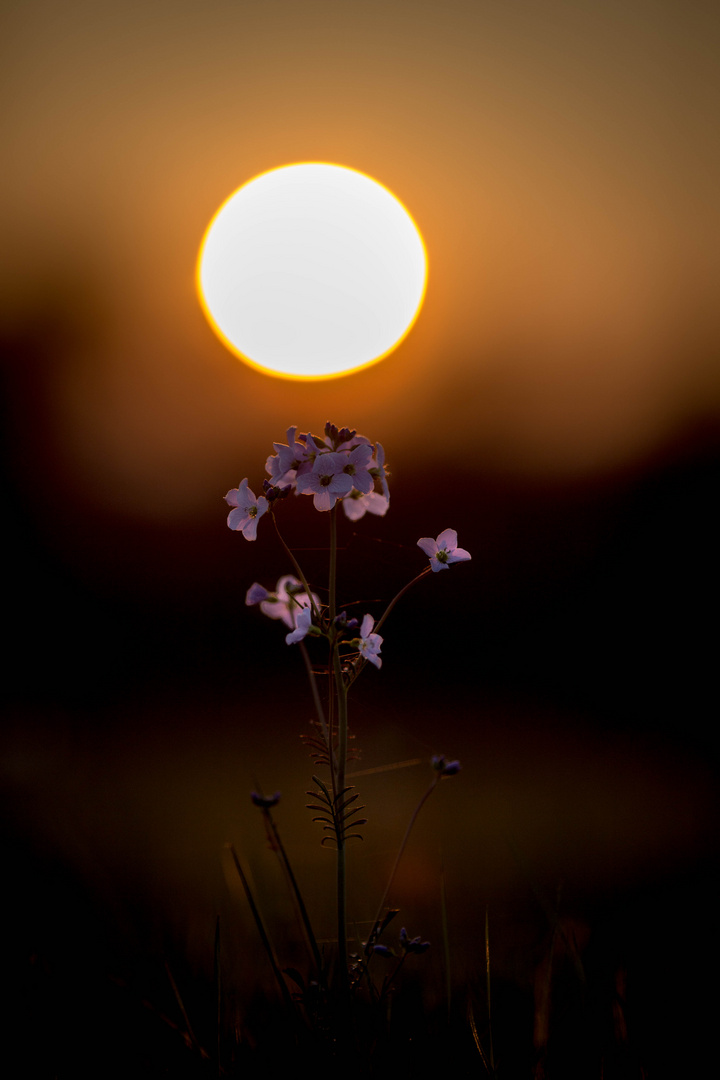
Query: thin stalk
[(298, 568), (388, 980), (341, 763), (383, 617), (262, 931), (280, 848), (341, 854), (399, 856), (333, 564), (218, 994), (446, 940), (393, 602), (487, 982), (181, 1006), (316, 699)]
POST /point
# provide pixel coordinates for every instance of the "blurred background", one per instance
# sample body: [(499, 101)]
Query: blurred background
[(556, 402)]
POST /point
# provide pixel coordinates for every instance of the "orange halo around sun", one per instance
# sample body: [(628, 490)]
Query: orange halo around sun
[(312, 271)]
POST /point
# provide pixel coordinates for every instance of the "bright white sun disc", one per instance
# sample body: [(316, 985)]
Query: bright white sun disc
[(311, 271)]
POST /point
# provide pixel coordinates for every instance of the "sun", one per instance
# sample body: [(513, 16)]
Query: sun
[(311, 271)]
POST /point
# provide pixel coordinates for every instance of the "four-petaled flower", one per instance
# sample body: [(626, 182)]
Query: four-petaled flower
[(327, 481), (370, 643), (357, 464), (248, 510), (443, 551)]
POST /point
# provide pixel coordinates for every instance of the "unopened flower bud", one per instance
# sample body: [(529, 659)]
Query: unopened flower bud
[(441, 765), (263, 801), (382, 950)]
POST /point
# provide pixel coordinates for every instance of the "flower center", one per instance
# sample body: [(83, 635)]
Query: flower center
[(442, 555)]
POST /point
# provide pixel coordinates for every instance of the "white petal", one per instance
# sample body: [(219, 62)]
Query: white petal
[(428, 545), (447, 539)]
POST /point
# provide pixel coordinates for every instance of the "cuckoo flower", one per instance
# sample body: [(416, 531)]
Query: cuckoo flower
[(247, 510), (285, 603), (303, 626), (379, 470), (356, 505), (326, 482), (356, 467), (370, 643), (284, 465), (444, 550)]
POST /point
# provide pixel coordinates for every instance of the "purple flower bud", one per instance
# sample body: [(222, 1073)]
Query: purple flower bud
[(441, 765), (343, 623), (265, 802), (382, 950)]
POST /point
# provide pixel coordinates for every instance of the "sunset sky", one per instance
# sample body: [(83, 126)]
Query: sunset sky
[(556, 401)]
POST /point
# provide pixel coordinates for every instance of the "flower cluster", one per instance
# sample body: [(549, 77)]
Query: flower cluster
[(341, 466)]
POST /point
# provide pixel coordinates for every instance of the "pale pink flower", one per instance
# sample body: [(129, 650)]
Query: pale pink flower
[(302, 626), (285, 603), (443, 551), (357, 505), (356, 467), (248, 510), (326, 482), (255, 594), (284, 465), (370, 643)]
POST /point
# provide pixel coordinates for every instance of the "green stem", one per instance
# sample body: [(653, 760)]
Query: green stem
[(327, 735), (341, 763), (333, 564)]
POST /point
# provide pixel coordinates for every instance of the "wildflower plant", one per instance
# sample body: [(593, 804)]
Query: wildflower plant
[(336, 469)]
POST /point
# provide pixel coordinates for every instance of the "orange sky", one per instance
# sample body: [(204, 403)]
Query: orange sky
[(557, 158)]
